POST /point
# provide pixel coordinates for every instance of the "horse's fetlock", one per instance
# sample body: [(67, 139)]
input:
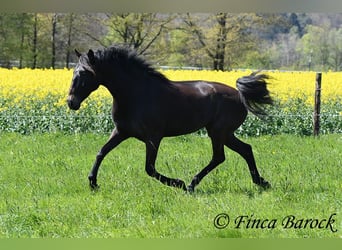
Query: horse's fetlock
[(99, 156), (151, 172)]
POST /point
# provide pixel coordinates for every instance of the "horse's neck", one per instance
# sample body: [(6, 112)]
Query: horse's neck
[(125, 89), (131, 82)]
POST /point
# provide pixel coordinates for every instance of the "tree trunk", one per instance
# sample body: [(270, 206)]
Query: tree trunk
[(220, 42), (22, 39), (53, 41), (217, 52), (34, 45), (70, 24)]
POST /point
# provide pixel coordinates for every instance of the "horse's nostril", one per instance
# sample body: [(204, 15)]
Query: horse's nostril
[(70, 102)]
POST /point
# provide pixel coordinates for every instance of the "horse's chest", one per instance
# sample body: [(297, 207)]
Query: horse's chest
[(131, 121)]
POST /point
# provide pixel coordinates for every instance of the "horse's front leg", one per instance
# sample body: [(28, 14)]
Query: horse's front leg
[(151, 155), (114, 140)]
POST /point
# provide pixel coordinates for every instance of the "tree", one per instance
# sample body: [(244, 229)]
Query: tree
[(283, 49), (136, 30), (24, 30), (314, 47), (53, 39), (69, 28), (335, 42), (220, 41), (217, 52), (74, 31), (14, 38), (35, 41), (224, 37)]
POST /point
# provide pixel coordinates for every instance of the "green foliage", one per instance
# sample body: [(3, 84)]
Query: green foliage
[(294, 117), (15, 38), (32, 116), (207, 40), (43, 185)]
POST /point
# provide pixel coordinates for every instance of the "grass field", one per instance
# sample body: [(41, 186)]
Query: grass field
[(44, 188)]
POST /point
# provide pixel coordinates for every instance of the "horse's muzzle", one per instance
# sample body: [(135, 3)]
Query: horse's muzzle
[(73, 102)]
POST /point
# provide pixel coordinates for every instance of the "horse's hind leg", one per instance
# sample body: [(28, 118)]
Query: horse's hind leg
[(151, 155), (218, 157), (245, 150)]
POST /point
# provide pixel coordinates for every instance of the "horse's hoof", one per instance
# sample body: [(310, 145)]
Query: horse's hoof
[(94, 187), (264, 184), (179, 184), (92, 183), (190, 189)]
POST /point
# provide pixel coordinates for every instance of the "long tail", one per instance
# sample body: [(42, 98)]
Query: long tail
[(254, 93)]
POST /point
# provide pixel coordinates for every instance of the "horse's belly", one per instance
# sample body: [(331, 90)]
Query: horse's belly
[(182, 131), (184, 125)]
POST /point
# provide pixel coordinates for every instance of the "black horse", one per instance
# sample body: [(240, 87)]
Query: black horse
[(148, 106)]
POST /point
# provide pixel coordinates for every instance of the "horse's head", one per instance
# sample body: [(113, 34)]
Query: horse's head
[(84, 80)]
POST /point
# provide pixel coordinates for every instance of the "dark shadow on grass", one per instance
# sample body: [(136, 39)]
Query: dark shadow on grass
[(250, 192)]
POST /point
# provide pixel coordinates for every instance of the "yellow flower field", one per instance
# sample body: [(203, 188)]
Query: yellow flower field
[(283, 85), (18, 84)]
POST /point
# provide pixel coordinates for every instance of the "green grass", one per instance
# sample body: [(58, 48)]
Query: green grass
[(44, 189)]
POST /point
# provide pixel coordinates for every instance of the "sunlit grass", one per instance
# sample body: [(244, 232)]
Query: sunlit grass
[(44, 187)]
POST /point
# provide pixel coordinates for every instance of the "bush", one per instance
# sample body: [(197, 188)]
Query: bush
[(32, 116)]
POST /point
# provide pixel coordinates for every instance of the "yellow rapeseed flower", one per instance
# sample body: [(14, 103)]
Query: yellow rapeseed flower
[(19, 85)]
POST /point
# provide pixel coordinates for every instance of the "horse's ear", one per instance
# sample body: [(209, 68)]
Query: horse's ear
[(78, 54), (91, 57)]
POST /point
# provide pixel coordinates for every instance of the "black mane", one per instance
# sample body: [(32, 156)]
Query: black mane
[(128, 59)]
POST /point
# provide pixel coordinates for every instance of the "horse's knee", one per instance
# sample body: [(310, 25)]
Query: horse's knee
[(219, 159), (248, 147), (100, 156), (248, 152)]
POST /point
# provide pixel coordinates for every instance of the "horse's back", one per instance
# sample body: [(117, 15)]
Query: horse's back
[(204, 88), (192, 105)]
